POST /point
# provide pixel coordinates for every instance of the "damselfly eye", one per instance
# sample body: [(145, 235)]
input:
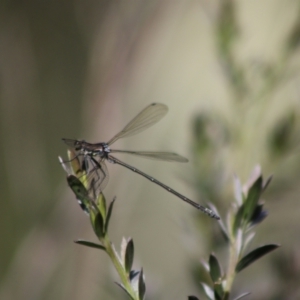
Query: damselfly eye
[(77, 145)]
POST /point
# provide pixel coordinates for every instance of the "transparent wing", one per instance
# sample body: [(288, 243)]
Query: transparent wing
[(166, 156), (146, 118), (70, 142)]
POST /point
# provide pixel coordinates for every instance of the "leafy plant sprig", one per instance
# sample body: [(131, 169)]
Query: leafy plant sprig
[(246, 213), (132, 281)]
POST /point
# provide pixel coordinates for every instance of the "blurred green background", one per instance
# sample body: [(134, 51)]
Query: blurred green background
[(229, 72)]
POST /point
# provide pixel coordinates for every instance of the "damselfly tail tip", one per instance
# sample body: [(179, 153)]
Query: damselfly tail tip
[(210, 213), (213, 215)]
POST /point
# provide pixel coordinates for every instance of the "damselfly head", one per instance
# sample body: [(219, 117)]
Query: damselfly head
[(74, 144), (78, 145)]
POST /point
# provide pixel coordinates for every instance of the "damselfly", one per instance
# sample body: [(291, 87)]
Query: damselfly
[(93, 156)]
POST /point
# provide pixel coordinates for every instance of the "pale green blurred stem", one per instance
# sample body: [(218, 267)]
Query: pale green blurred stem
[(233, 259), (119, 267)]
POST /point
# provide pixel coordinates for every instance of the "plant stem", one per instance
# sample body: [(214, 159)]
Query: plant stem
[(118, 265), (233, 257)]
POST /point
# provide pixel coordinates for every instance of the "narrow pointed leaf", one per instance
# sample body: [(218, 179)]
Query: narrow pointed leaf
[(214, 268), (76, 167), (81, 193), (77, 187), (90, 244), (252, 198), (216, 275), (129, 254), (208, 291), (238, 219), (242, 296), (74, 161), (142, 286), (98, 223), (109, 212), (101, 204), (253, 256)]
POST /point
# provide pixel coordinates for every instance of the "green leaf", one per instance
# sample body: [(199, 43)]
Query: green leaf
[(253, 256), (110, 208), (97, 223), (129, 254), (101, 204), (142, 286), (90, 244), (80, 192), (74, 161), (252, 198), (76, 167), (216, 275), (77, 187), (238, 220), (214, 268)]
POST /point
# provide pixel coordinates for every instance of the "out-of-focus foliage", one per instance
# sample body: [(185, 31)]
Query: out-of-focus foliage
[(260, 124), (245, 213)]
